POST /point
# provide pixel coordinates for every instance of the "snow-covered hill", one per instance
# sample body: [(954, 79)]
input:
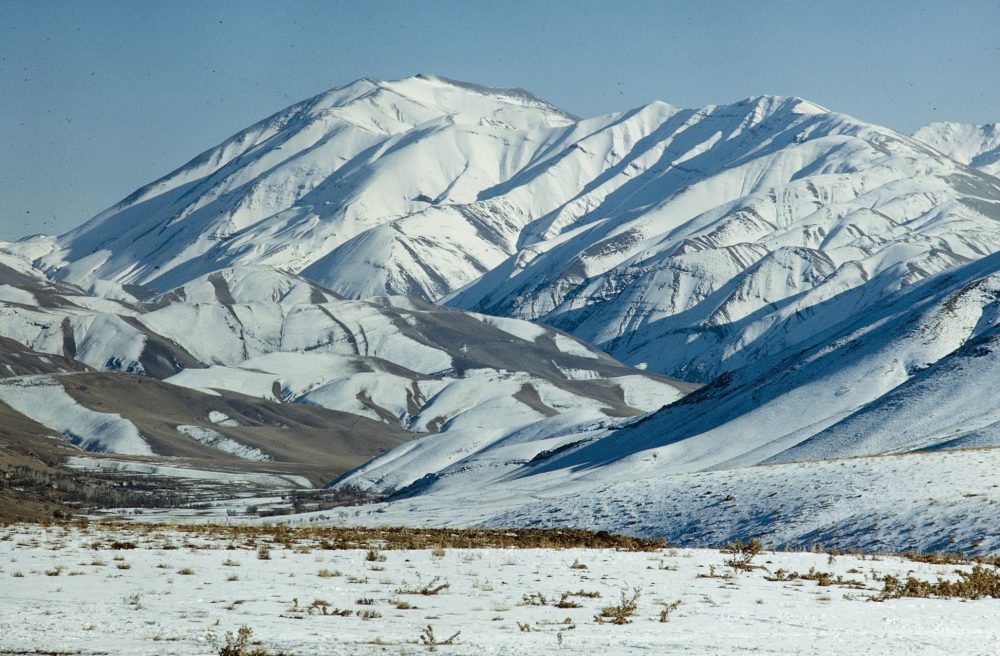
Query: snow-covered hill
[(754, 215), (400, 363), (939, 501)]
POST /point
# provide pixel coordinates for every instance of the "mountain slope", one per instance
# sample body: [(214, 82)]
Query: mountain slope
[(829, 280), (975, 145), (915, 374), (127, 418)]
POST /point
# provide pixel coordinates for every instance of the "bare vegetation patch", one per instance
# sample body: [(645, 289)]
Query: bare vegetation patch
[(429, 589), (374, 540), (977, 583), (823, 579)]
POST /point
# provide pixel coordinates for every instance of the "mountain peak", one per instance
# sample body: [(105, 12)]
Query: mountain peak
[(766, 105)]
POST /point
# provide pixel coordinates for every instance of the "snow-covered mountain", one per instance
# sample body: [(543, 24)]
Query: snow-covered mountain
[(337, 172), (693, 240), (975, 145)]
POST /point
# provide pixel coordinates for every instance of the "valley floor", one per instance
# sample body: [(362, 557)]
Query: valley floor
[(92, 589)]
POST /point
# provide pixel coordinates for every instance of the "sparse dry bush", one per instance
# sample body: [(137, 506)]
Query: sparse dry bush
[(432, 588), (945, 558), (668, 609), (621, 612), (241, 644), (431, 643), (565, 601), (533, 599), (321, 605), (741, 554), (823, 579), (714, 573)]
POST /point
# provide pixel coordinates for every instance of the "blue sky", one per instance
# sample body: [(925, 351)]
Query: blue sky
[(100, 97)]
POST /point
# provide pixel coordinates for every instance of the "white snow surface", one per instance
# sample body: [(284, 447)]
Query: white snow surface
[(11, 294), (216, 440), (221, 419)]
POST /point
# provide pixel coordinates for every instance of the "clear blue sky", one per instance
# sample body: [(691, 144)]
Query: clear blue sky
[(100, 97)]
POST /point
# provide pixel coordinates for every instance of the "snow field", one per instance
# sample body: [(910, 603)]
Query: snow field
[(67, 588)]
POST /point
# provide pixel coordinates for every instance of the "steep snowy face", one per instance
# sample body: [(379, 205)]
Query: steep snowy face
[(975, 145), (915, 374)]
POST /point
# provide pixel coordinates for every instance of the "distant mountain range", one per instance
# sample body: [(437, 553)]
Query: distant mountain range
[(382, 250)]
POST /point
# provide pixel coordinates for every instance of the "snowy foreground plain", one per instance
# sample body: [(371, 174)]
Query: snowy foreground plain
[(93, 589)]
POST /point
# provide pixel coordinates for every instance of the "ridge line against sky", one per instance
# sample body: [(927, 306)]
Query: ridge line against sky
[(102, 97)]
